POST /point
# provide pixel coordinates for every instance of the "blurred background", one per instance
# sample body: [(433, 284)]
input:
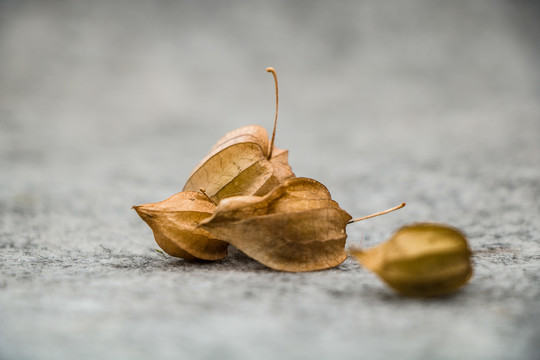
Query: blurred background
[(108, 104), (127, 83)]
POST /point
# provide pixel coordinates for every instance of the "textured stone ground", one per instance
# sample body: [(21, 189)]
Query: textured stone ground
[(108, 104)]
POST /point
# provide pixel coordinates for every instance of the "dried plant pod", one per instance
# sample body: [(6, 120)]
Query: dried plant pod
[(239, 165), (243, 162), (174, 222), (423, 259), (296, 227)]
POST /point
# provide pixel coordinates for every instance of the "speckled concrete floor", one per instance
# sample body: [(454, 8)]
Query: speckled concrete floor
[(108, 104)]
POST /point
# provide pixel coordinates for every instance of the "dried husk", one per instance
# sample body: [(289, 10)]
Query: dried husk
[(296, 227), (423, 259), (238, 164), (174, 222)]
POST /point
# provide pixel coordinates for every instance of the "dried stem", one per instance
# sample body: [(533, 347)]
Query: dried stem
[(203, 191), (271, 70), (377, 214)]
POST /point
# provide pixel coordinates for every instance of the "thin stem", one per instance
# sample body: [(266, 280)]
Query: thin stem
[(377, 214), (271, 70), (203, 191)]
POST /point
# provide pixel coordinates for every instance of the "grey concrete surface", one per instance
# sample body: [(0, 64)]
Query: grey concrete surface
[(108, 104)]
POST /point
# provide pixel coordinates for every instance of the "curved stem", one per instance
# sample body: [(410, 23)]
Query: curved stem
[(377, 214), (271, 70)]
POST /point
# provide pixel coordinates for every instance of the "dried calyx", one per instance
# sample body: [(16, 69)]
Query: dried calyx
[(423, 259), (243, 162), (296, 227), (174, 224)]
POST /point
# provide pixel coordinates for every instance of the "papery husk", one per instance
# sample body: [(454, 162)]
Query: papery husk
[(423, 259), (296, 227), (174, 222), (238, 164)]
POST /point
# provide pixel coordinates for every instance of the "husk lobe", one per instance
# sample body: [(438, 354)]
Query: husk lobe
[(175, 221), (296, 227), (423, 259), (238, 165)]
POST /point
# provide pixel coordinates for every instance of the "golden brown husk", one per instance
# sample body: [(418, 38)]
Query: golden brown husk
[(423, 259), (238, 164), (296, 227), (174, 223)]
